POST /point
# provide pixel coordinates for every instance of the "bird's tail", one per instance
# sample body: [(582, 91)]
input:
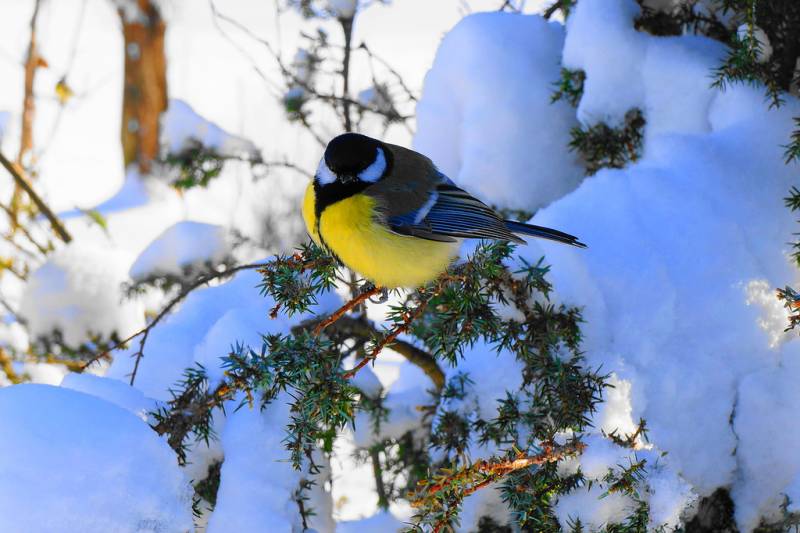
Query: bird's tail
[(544, 233)]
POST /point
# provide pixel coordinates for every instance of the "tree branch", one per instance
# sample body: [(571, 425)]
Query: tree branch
[(365, 331), (19, 177), (347, 29)]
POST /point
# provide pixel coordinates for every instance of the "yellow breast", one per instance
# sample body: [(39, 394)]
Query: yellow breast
[(387, 259)]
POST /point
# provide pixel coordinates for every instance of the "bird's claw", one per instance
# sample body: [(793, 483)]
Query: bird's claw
[(380, 298)]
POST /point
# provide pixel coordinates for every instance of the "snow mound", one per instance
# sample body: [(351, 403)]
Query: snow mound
[(181, 246), (485, 116), (257, 482), (78, 292), (682, 244), (111, 390), (73, 462), (182, 128)]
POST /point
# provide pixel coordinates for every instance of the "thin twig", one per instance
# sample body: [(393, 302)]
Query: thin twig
[(19, 177), (144, 332), (294, 80), (364, 331), (7, 367), (32, 61), (347, 29), (339, 313), (390, 338), (550, 11), (392, 71)]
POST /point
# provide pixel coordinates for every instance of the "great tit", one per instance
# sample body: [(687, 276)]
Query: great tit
[(387, 213)]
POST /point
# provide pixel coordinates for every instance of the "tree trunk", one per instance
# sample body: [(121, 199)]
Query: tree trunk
[(145, 93)]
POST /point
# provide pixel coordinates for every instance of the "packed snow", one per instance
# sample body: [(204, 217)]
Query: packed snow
[(685, 246)]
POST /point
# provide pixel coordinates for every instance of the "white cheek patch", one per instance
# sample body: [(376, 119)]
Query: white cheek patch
[(375, 171), (324, 175)]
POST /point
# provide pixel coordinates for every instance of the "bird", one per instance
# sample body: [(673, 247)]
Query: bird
[(390, 215)]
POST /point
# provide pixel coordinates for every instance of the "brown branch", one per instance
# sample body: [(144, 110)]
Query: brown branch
[(19, 177), (7, 368), (483, 473), (339, 313), (32, 61), (389, 339), (364, 331)]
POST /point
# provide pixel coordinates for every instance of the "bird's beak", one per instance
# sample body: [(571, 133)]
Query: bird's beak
[(346, 179)]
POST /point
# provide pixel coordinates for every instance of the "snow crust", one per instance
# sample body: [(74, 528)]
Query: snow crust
[(105, 469)]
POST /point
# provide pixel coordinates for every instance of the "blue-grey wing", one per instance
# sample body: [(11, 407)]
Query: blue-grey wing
[(451, 213)]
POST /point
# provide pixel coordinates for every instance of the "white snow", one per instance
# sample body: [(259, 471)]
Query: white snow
[(602, 42), (485, 116), (78, 291), (183, 245), (685, 248), (592, 508), (343, 8), (181, 126), (4, 118), (111, 390), (74, 462), (257, 481)]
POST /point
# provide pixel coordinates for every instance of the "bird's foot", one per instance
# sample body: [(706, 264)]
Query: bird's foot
[(381, 297)]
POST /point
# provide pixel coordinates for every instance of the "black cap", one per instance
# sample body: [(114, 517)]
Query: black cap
[(350, 153)]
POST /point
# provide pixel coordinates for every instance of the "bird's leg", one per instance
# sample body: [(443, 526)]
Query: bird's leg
[(367, 292)]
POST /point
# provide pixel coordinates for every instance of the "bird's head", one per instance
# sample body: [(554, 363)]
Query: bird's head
[(352, 159)]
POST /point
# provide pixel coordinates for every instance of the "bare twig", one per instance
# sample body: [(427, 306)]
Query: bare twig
[(347, 30), (339, 313), (144, 332), (390, 338), (293, 80), (32, 62), (25, 231), (392, 71), (19, 177), (7, 368), (550, 11)]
